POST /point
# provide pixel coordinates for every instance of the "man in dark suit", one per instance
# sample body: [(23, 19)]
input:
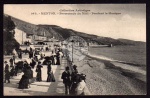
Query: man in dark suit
[(66, 80)]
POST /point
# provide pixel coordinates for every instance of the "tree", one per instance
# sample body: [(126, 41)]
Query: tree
[(8, 35)]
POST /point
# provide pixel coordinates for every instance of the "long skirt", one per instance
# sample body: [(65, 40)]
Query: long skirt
[(7, 75), (23, 83), (53, 62), (11, 64), (57, 61), (50, 77), (38, 76), (72, 88), (12, 72)]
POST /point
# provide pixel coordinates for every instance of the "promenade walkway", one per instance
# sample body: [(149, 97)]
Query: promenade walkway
[(38, 88)]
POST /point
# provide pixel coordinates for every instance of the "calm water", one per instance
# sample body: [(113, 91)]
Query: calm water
[(130, 54)]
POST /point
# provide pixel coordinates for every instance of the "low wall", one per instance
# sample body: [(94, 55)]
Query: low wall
[(86, 90)]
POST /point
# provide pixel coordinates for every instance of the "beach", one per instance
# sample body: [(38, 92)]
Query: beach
[(105, 76)]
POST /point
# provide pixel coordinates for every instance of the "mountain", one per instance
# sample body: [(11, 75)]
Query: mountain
[(64, 33), (131, 42), (29, 28)]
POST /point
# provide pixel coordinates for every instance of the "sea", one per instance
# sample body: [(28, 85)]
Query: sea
[(134, 54)]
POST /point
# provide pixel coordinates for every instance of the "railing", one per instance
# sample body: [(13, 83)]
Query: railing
[(69, 64)]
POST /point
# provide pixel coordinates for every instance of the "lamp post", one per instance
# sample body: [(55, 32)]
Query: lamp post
[(72, 49), (22, 38)]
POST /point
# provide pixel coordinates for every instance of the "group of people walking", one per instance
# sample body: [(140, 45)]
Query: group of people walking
[(27, 77), (27, 69), (74, 82)]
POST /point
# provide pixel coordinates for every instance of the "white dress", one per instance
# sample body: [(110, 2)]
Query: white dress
[(80, 87)]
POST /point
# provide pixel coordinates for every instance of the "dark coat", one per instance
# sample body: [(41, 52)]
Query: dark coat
[(49, 68), (29, 73), (39, 73), (33, 63), (50, 77), (24, 81), (52, 59), (12, 71), (66, 77), (7, 73), (30, 54), (58, 58), (75, 78)]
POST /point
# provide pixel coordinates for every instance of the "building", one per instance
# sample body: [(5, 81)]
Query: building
[(21, 36), (52, 42), (40, 37)]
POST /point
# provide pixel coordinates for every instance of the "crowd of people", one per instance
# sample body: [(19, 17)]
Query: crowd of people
[(74, 82), (27, 65)]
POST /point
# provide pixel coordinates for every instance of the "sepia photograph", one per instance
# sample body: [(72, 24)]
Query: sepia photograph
[(74, 49)]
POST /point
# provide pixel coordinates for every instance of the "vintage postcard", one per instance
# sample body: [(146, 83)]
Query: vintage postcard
[(74, 49)]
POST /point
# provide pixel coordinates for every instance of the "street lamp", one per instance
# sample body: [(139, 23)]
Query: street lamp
[(72, 49)]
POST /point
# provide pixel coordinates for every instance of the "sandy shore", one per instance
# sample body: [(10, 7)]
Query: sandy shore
[(106, 77)]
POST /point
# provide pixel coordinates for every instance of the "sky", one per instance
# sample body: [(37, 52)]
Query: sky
[(130, 23)]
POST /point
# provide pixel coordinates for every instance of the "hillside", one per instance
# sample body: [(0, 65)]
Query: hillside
[(131, 42), (64, 33), (30, 28)]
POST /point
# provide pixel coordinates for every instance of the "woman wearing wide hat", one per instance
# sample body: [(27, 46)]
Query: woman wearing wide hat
[(50, 77), (24, 81)]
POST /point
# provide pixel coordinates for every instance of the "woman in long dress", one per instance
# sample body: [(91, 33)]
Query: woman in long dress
[(30, 54), (74, 80), (52, 59), (39, 72), (57, 59), (24, 82), (31, 76), (7, 73), (12, 71), (80, 89), (50, 77)]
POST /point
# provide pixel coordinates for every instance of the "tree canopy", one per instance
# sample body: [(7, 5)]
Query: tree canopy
[(9, 42)]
